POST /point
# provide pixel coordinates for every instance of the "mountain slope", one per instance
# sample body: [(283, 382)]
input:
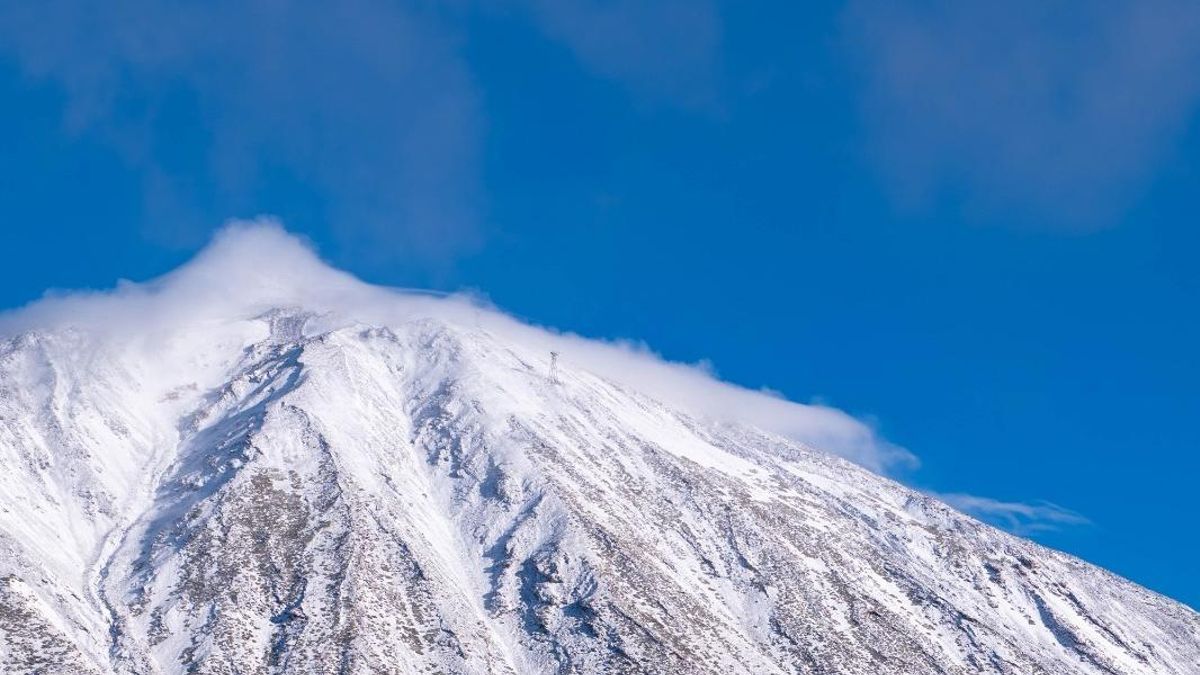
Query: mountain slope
[(420, 497), (258, 464)]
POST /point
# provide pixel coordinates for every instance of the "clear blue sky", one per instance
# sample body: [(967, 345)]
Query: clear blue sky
[(977, 227)]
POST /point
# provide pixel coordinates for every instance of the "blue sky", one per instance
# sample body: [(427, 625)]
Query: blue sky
[(976, 227)]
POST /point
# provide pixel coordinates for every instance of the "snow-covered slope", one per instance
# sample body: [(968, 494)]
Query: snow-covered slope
[(288, 482)]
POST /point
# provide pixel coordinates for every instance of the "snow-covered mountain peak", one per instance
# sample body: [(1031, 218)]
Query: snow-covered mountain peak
[(198, 318), (338, 478)]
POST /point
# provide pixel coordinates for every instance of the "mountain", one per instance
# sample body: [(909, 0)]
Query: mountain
[(255, 466)]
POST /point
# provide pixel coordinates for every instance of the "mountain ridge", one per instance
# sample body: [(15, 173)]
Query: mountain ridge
[(422, 496), (259, 464)]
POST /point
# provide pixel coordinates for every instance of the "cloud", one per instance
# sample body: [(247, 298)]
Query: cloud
[(365, 104), (250, 268), (254, 266), (362, 117), (1061, 112), (666, 51), (1022, 518)]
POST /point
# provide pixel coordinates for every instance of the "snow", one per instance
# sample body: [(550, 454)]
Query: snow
[(259, 464)]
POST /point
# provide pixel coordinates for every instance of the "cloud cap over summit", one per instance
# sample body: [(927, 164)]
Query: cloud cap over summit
[(252, 267)]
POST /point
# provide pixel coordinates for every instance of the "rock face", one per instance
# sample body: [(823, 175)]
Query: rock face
[(421, 498)]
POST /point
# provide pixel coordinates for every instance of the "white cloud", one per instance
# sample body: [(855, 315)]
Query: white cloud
[(365, 108), (1062, 112), (252, 267), (1023, 518), (667, 50)]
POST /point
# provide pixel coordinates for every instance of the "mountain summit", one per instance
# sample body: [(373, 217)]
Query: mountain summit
[(258, 464)]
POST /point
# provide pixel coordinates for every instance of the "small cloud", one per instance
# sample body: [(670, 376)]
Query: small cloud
[(1058, 113), (664, 51), (707, 367), (1021, 518), (772, 392)]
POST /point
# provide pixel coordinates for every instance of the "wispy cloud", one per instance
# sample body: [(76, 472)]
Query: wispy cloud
[(253, 267), (367, 104), (1022, 518), (665, 51), (365, 112), (1061, 112)]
